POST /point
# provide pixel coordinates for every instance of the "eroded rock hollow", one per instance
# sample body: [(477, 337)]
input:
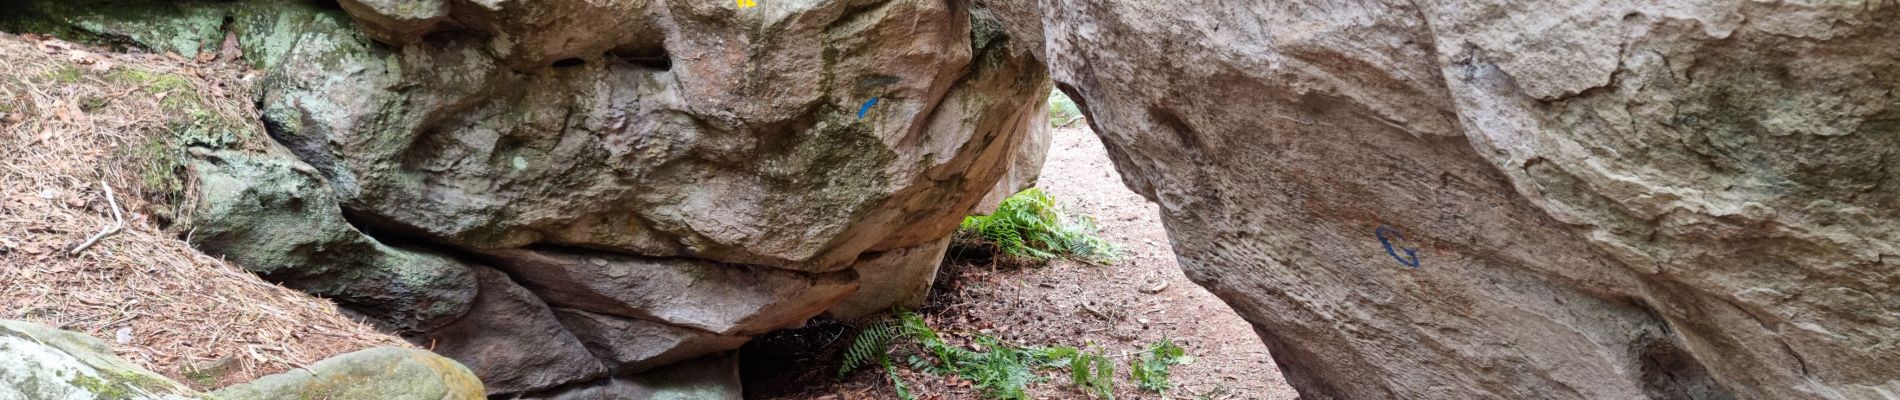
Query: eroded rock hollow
[(564, 195), (1510, 199), (1416, 200)]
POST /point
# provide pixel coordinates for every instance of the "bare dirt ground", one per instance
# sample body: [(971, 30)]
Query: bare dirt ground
[(1119, 309)]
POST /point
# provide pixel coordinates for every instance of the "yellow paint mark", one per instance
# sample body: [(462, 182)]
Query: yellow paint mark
[(747, 3)]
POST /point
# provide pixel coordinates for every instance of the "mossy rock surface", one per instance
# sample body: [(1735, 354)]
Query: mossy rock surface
[(183, 27), (388, 373), (41, 363)]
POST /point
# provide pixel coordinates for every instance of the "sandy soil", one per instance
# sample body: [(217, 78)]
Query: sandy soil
[(1115, 308)]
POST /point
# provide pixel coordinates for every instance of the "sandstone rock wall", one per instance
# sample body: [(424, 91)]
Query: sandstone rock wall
[(566, 194), (1496, 199)]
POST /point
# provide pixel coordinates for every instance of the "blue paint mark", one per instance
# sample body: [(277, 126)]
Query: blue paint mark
[(866, 108), (1409, 252)]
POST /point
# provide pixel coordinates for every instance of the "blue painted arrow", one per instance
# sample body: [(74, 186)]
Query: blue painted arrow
[(1409, 253), (866, 108)]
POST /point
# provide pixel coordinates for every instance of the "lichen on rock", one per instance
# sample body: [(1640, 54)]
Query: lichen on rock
[(382, 373), (48, 364)]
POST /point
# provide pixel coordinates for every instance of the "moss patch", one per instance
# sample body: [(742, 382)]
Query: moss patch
[(121, 385), (183, 27), (67, 74)]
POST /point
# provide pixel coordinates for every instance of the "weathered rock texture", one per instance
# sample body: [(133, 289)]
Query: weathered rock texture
[(250, 203), (713, 377), (896, 278), (382, 373), (41, 363), (671, 176), (1509, 199)]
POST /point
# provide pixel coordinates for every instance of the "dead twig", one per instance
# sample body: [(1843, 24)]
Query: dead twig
[(118, 221)]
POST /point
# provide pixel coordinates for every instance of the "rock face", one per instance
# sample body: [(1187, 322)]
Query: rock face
[(251, 200), (672, 176), (42, 363), (1496, 199), (380, 373), (696, 132), (900, 278), (513, 341), (713, 377)]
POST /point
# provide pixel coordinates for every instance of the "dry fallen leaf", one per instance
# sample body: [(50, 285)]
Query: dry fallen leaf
[(231, 50)]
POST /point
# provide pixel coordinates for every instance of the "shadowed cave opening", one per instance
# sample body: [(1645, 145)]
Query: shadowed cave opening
[(1120, 308)]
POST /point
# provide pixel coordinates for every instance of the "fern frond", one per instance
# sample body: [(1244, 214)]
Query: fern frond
[(1152, 369), (1029, 225), (872, 344), (897, 383)]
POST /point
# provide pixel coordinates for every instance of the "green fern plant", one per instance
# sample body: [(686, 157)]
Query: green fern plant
[(999, 370), (1004, 372), (1028, 227), (1152, 368), (1094, 373), (872, 345), (1090, 371), (897, 383)]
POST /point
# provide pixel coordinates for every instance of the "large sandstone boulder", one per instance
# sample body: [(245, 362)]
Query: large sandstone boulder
[(483, 173), (386, 373), (41, 363), (701, 145), (513, 341), (248, 202), (1508, 199)]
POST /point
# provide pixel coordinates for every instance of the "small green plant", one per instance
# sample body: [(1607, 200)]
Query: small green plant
[(1091, 371), (1062, 110), (996, 368), (204, 378), (67, 74), (1028, 226), (872, 344), (1151, 369), (897, 383)]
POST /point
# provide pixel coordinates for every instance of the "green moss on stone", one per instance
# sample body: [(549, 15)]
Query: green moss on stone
[(989, 43), (102, 389), (836, 167), (142, 382), (183, 27)]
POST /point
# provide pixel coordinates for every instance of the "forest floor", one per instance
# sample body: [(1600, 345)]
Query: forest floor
[(1119, 309), (75, 255)]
